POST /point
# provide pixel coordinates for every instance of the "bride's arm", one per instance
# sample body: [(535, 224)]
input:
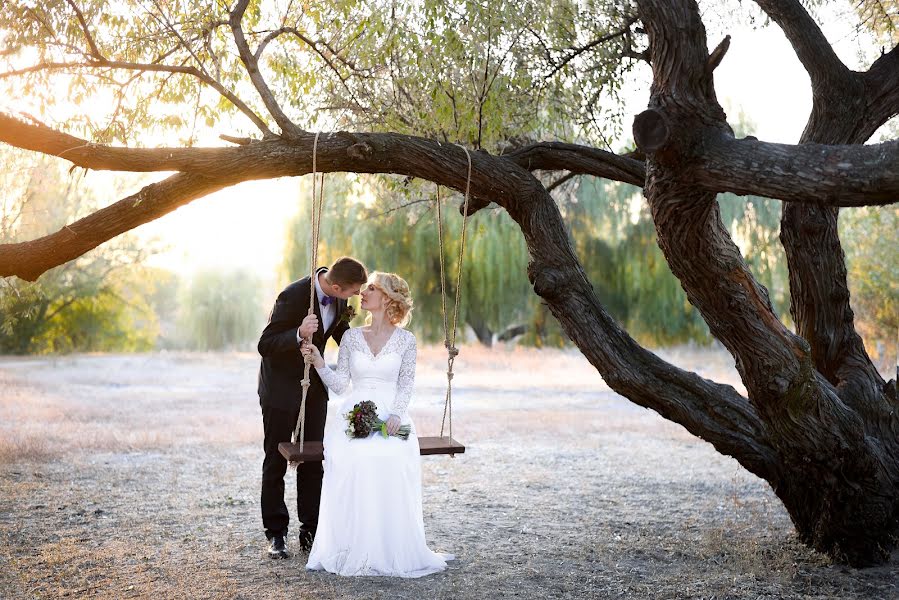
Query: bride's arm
[(338, 381), (405, 380)]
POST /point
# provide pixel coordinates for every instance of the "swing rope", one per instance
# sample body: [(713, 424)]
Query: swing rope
[(299, 432), (449, 335)]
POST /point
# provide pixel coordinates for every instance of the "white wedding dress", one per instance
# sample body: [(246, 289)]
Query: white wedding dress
[(370, 520)]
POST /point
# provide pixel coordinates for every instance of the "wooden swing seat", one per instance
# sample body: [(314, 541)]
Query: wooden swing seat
[(313, 451)]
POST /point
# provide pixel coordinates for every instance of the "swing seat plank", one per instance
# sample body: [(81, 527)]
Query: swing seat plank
[(439, 445), (314, 451)]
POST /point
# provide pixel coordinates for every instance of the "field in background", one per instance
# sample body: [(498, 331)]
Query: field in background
[(138, 476)]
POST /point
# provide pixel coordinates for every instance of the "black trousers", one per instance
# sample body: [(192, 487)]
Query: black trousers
[(278, 425)]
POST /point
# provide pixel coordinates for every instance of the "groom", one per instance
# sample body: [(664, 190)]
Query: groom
[(280, 391)]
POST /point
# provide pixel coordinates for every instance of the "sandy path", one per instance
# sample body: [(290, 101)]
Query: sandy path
[(137, 476)]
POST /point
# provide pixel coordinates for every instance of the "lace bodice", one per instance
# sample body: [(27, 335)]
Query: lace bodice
[(393, 366)]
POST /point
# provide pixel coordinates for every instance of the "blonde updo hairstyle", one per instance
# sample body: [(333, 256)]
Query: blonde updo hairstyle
[(399, 298)]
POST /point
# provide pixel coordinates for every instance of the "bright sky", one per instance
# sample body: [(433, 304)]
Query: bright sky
[(245, 225)]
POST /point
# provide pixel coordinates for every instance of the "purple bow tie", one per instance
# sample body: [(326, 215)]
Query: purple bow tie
[(327, 300)]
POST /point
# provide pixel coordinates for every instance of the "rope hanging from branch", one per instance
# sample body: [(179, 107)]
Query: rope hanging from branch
[(449, 334), (299, 432)]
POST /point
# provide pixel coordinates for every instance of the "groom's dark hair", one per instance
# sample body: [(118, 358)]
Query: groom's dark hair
[(347, 271)]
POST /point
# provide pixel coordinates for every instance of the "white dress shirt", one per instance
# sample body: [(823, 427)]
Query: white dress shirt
[(328, 312)]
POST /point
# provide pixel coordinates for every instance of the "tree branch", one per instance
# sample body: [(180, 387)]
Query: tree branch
[(882, 85), (578, 51), (560, 181), (714, 412), (209, 169), (581, 160), (28, 260), (40, 138), (851, 175), (810, 173), (404, 205), (847, 108), (288, 128), (296, 33), (149, 67), (717, 55), (811, 47), (95, 51)]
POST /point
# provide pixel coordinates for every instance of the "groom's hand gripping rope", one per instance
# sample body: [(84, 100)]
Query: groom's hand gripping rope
[(308, 327)]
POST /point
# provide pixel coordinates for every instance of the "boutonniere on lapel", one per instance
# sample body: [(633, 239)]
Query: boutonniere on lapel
[(348, 314)]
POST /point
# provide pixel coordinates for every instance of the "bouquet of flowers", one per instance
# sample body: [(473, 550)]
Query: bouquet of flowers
[(363, 421)]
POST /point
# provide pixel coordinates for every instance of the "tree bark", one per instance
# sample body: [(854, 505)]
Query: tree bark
[(836, 471), (847, 108)]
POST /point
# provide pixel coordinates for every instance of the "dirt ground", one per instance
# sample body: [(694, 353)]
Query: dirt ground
[(137, 476)]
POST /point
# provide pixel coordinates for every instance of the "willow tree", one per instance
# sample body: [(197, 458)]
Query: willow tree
[(399, 233), (818, 422)]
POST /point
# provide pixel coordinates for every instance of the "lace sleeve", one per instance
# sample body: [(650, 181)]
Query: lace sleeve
[(338, 381), (405, 380)]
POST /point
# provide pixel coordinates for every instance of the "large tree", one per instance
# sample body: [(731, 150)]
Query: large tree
[(818, 422)]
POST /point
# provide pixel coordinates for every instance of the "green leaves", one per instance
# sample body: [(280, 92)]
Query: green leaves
[(869, 238), (220, 310), (98, 302), (460, 71)]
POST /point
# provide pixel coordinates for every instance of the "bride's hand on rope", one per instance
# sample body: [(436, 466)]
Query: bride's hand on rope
[(309, 351), (393, 425)]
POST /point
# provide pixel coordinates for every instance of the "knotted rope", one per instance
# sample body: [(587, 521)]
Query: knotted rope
[(299, 432), (449, 335)]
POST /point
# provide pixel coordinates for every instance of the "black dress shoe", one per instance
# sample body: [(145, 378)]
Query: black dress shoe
[(306, 539), (277, 547)]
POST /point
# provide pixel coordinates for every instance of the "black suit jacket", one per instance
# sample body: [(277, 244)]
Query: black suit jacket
[(281, 370)]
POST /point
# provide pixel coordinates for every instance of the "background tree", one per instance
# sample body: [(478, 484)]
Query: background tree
[(874, 277), (97, 302), (396, 230), (818, 423), (220, 310)]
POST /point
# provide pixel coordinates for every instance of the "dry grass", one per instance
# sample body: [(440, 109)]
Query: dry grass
[(137, 477)]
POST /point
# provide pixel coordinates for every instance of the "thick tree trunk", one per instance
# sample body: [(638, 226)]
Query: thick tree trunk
[(481, 331), (837, 475), (511, 333), (847, 108)]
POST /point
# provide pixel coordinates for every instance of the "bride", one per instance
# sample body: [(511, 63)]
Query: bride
[(371, 519)]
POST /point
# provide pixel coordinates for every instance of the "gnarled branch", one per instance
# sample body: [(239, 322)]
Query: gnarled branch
[(811, 47), (882, 86), (851, 175), (583, 160)]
